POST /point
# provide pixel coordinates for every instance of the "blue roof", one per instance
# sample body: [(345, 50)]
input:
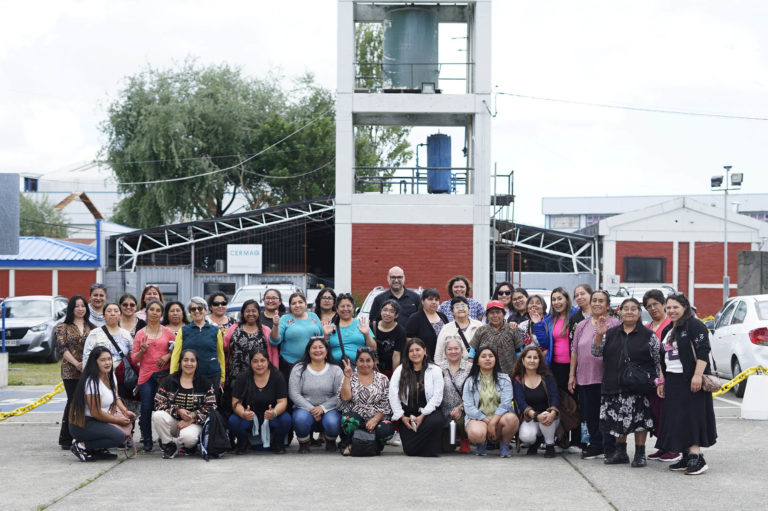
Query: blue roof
[(39, 251)]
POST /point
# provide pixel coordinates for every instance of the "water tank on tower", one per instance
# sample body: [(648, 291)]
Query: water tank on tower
[(410, 48), (439, 163)]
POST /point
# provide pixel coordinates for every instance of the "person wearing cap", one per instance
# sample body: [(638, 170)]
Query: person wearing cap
[(497, 334)]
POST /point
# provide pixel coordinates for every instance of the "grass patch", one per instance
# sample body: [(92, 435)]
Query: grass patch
[(34, 373)]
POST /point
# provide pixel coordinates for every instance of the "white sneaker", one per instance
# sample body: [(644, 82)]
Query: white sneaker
[(395, 440), (558, 449), (574, 449)]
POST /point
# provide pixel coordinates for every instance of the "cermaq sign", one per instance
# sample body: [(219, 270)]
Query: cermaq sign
[(243, 258)]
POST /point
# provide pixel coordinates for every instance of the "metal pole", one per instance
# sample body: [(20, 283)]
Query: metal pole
[(726, 280), (3, 313)]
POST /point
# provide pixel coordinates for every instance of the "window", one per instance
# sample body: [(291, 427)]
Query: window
[(644, 269), (30, 184), (564, 222), (725, 317), (739, 314)]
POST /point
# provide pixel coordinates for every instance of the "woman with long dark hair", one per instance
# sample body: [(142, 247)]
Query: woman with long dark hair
[(149, 293), (325, 305), (427, 322), (174, 317), (150, 352), (537, 400), (415, 394), (128, 318), (182, 403), (94, 409), (273, 308), (503, 293), (217, 305), (260, 394), (487, 397), (355, 332), (689, 417), (314, 390), (625, 410), (519, 309), (70, 341)]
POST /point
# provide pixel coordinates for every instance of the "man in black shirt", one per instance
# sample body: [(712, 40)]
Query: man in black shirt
[(408, 300)]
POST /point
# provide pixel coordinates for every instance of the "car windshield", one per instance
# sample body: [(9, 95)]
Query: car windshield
[(247, 294), (762, 309), (27, 308)]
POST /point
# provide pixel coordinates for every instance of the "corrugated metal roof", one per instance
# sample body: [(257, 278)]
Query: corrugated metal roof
[(51, 250)]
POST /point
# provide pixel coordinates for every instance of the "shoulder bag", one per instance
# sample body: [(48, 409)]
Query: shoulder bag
[(635, 378), (709, 383), (126, 374)]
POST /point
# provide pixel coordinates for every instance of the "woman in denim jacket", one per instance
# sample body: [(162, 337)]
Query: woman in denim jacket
[(487, 398)]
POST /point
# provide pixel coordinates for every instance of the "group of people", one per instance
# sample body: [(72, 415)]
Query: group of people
[(437, 375)]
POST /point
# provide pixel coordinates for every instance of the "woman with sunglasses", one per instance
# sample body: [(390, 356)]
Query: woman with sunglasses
[(128, 319), (205, 339), (365, 400), (355, 333), (217, 303), (503, 293)]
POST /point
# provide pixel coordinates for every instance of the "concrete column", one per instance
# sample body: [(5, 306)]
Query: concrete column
[(11, 282), (691, 269), (675, 262), (54, 282)]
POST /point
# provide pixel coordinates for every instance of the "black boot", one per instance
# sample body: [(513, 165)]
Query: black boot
[(639, 459), (619, 455)]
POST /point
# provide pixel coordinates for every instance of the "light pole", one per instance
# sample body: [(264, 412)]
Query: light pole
[(733, 184)]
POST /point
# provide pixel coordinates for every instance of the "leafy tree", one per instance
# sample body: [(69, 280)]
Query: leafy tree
[(39, 218)]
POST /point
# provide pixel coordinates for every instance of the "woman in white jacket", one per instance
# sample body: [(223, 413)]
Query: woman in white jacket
[(415, 394), (462, 326)]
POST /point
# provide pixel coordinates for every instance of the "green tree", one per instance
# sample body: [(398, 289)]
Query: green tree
[(39, 218)]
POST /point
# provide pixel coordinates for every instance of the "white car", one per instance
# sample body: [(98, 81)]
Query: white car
[(740, 338)]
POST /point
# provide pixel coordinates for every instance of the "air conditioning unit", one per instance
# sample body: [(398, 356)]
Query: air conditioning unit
[(218, 266)]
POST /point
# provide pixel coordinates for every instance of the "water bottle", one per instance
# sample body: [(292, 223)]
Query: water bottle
[(265, 434), (452, 428), (584, 434)]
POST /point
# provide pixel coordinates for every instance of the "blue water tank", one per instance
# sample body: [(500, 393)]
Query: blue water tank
[(439, 163), (410, 47)]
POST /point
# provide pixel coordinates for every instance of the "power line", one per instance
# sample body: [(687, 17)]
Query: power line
[(267, 176), (185, 178), (635, 108), (106, 162)]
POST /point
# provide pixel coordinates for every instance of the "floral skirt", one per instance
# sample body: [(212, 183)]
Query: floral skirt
[(624, 413)]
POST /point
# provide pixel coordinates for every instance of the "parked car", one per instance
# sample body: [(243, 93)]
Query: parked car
[(740, 337), (256, 292), (30, 325), (631, 291)]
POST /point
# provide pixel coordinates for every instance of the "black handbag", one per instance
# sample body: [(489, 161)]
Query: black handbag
[(363, 443), (634, 377)]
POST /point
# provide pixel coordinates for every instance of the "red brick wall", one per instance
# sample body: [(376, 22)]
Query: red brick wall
[(682, 266), (72, 282), (644, 249), (709, 270), (428, 254), (33, 282), (4, 283)]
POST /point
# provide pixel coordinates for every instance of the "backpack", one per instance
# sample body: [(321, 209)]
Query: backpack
[(214, 440)]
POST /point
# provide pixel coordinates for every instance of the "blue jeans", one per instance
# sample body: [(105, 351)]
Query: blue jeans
[(278, 428), (147, 391), (304, 424)]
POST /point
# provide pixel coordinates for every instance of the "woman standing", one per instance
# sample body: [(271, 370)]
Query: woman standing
[(325, 305), (182, 403), (313, 387), (217, 304), (117, 340), (689, 418), (536, 309), (459, 286), (582, 296), (503, 293), (150, 351), (390, 337), (260, 394), (455, 371), (273, 308), (355, 333), (206, 341), (415, 394), (365, 398), (96, 301), (245, 336), (174, 317), (519, 311), (462, 327), (94, 409), (148, 294), (487, 400), (537, 400), (660, 324), (497, 334), (291, 333), (70, 338), (624, 410), (427, 322), (586, 374)]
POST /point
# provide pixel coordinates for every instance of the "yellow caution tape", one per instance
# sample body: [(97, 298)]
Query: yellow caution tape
[(740, 378), (58, 389)]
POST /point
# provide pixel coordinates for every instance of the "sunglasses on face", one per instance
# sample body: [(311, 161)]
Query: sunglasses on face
[(505, 293), (196, 309), (128, 305), (218, 304)]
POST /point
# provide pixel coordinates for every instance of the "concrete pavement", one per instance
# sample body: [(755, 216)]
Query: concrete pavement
[(36, 474)]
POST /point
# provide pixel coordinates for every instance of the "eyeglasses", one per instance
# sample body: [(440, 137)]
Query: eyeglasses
[(326, 297), (218, 304), (506, 293), (388, 311), (127, 304), (461, 306), (196, 309), (270, 298), (396, 277), (98, 286)]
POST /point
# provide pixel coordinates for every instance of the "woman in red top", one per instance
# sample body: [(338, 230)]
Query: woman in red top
[(151, 351)]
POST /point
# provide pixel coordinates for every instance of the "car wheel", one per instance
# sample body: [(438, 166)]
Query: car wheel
[(54, 355), (739, 388)]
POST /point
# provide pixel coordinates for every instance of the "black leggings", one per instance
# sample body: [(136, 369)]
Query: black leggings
[(65, 438), (97, 434)]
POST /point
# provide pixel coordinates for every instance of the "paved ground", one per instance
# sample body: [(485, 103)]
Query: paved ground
[(35, 474)]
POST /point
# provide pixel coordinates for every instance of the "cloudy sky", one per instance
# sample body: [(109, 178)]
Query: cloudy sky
[(63, 61)]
